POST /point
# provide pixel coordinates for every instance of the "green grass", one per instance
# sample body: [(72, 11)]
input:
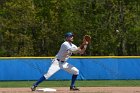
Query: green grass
[(89, 83)]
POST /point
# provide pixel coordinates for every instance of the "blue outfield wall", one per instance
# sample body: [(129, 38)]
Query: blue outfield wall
[(90, 68)]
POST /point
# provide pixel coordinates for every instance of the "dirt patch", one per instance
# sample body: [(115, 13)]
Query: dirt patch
[(82, 90)]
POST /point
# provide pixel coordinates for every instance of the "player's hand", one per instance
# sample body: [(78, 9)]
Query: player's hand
[(85, 42), (86, 39)]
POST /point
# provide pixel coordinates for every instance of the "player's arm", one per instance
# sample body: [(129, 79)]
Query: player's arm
[(83, 46), (74, 50), (80, 49)]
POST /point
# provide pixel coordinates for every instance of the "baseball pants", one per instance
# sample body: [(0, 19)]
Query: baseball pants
[(57, 65)]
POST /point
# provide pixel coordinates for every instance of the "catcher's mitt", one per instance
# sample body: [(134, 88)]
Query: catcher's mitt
[(87, 38)]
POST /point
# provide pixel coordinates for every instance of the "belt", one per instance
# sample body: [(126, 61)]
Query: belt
[(60, 60)]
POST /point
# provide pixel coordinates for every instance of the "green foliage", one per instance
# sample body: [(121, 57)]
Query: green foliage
[(37, 27)]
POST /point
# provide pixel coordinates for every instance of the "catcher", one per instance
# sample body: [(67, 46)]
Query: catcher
[(60, 61)]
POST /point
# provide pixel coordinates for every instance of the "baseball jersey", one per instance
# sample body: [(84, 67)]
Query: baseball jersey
[(66, 51)]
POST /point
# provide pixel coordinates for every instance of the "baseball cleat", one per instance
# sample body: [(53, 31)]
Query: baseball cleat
[(73, 88), (33, 88)]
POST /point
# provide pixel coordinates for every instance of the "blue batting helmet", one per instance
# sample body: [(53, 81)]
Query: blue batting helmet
[(69, 34)]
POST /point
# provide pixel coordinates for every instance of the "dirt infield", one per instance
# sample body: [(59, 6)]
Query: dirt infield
[(82, 90)]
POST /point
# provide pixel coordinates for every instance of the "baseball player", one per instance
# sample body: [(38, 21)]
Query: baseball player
[(60, 61)]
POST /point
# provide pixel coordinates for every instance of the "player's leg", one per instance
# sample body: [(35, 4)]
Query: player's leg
[(74, 77), (72, 70), (33, 88), (52, 69)]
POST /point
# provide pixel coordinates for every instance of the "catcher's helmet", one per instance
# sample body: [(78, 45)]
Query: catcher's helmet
[(69, 34)]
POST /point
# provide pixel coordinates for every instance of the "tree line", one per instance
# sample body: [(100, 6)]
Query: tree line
[(37, 27)]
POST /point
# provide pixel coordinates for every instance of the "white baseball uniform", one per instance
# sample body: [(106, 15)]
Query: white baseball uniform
[(60, 61)]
